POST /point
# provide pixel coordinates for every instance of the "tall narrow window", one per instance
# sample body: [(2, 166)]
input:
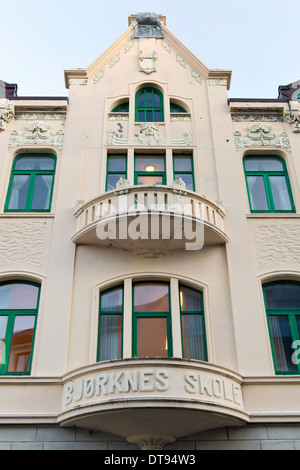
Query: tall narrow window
[(192, 324), (268, 184), (183, 168), (151, 320), (110, 324), (149, 169), (31, 183), (282, 301), (18, 314), (116, 169), (149, 106)]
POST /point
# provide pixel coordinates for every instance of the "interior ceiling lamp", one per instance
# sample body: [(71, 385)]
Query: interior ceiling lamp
[(150, 168)]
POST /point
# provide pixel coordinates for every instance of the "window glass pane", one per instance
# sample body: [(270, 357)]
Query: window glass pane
[(34, 163), (280, 193), (142, 163), (193, 337), (21, 345), (190, 300), (298, 324), (151, 297), (257, 192), (110, 337), (182, 163), (150, 180), (17, 296), (149, 116), (283, 295), (112, 180), (149, 98), (141, 116), (152, 337), (141, 99), (187, 178), (282, 342), (157, 116), (112, 301), (116, 163), (19, 191), (156, 99), (42, 192), (263, 164), (3, 323)]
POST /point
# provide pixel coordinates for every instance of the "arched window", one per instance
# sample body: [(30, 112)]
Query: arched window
[(282, 301), (268, 184), (31, 183), (149, 105), (176, 108), (18, 314), (121, 108), (110, 324)]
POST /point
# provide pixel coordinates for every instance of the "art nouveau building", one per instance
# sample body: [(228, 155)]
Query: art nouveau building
[(149, 257)]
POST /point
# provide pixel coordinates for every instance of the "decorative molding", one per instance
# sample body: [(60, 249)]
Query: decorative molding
[(196, 76), (99, 75), (149, 135), (293, 117), (129, 46), (79, 81), (6, 113), (148, 62), (221, 82), (23, 242), (181, 61), (277, 245), (180, 117), (115, 60), (166, 46), (37, 134), (39, 116), (257, 117), (260, 135), (118, 117)]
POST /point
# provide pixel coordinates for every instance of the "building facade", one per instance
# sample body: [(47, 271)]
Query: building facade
[(149, 257)]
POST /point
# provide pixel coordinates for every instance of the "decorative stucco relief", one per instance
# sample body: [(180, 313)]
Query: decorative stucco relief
[(6, 113), (166, 46), (257, 117), (149, 135), (220, 82), (79, 81), (293, 117), (129, 46), (196, 76), (181, 61), (148, 62), (115, 60), (40, 116), (99, 75), (277, 246), (23, 242), (37, 134), (260, 135)]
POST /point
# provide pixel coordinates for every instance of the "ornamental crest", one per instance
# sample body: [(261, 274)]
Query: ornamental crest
[(148, 62), (6, 113), (37, 134)]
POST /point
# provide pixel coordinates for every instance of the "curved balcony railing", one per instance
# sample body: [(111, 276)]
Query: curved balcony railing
[(150, 219)]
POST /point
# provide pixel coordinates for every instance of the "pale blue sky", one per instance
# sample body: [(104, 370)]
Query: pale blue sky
[(257, 39)]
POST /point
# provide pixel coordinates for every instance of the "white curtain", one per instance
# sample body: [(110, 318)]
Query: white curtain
[(280, 193), (110, 332), (18, 182), (193, 337), (282, 342)]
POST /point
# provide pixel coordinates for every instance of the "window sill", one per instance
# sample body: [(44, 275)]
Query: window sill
[(28, 215), (274, 215)]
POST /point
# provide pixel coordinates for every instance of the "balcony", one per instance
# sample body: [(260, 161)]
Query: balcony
[(150, 221)]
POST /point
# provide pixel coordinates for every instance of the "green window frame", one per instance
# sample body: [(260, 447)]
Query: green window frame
[(110, 327), (149, 105), (116, 169), (31, 188), (282, 303), (121, 108), (19, 304), (176, 108), (268, 189), (183, 167), (192, 319), (151, 167), (157, 322)]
